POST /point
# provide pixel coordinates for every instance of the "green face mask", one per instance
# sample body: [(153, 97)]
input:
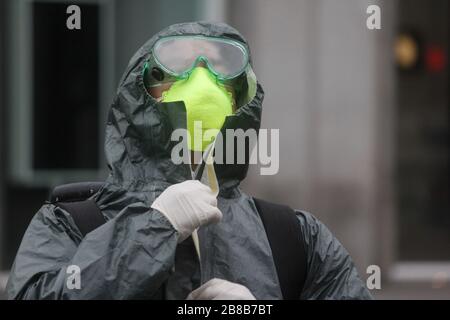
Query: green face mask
[(206, 102)]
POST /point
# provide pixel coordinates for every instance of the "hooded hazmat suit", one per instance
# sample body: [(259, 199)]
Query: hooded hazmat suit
[(135, 254)]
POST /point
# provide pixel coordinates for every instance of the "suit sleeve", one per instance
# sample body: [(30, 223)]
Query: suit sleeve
[(331, 273), (130, 256)]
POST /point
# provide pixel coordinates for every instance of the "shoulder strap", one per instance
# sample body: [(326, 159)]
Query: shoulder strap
[(74, 198), (86, 214), (288, 249)]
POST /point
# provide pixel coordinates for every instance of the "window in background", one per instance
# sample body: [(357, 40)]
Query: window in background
[(65, 88)]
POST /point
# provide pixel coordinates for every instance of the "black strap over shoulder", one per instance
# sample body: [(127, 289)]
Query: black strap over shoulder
[(74, 198), (78, 191), (86, 214), (288, 250)]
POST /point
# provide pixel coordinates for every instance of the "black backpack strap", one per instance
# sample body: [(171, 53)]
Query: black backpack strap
[(288, 249), (73, 198), (77, 191), (86, 214)]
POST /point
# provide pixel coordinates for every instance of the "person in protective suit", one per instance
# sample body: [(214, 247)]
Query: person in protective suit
[(152, 206)]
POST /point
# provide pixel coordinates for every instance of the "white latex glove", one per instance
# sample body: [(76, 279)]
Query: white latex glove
[(218, 289), (188, 205)]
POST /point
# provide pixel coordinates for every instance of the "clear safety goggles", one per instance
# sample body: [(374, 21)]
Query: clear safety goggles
[(173, 58), (178, 55)]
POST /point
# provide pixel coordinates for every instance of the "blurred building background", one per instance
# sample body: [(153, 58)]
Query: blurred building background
[(363, 116)]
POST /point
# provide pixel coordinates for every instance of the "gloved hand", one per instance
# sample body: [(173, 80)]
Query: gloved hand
[(188, 205), (218, 289)]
